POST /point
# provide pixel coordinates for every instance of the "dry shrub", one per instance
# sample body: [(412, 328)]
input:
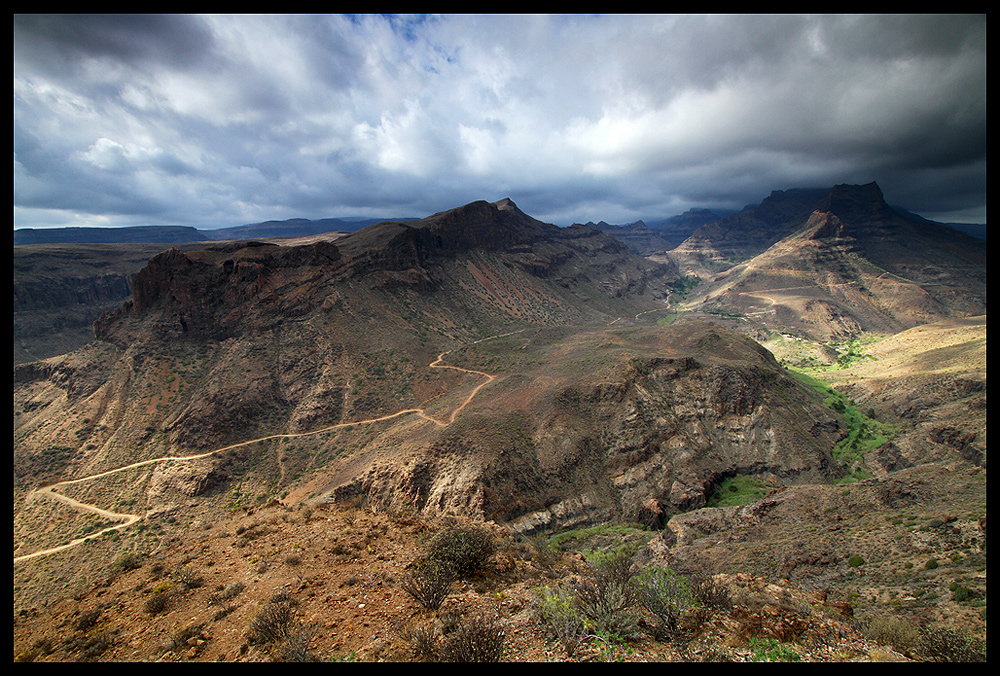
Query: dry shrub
[(480, 638), (429, 584), (271, 623)]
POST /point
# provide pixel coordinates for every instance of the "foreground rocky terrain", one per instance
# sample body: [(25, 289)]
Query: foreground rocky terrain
[(191, 584)]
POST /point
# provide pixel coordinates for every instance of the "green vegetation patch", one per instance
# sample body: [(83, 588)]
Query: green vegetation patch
[(865, 433), (739, 490), (603, 541)]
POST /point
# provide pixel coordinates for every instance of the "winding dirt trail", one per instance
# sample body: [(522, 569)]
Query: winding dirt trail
[(129, 519)]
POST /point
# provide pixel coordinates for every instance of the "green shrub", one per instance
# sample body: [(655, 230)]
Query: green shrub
[(666, 595), (931, 564), (855, 561), (558, 611), (608, 599), (770, 650), (463, 549)]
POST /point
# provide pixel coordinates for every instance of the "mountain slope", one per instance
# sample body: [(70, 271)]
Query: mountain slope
[(835, 266)]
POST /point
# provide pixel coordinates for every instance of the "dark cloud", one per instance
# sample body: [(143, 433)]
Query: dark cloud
[(230, 119), (58, 42)]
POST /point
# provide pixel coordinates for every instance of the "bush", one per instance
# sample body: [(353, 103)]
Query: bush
[(951, 645), (87, 619), (855, 561), (666, 595), (157, 603), (557, 610), (891, 630), (429, 584), (126, 562), (545, 553), (188, 578), (770, 650), (296, 646), (608, 599), (478, 639), (271, 623), (710, 593), (422, 639), (463, 549)]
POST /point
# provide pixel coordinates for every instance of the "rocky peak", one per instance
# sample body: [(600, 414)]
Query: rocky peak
[(856, 203), (824, 225)]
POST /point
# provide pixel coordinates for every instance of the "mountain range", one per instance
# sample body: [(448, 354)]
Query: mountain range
[(479, 363), (182, 234)]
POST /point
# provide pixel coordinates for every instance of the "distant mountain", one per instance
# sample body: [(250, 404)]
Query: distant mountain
[(140, 234), (678, 228), (972, 229), (294, 227), (179, 234), (636, 236), (835, 263), (483, 265), (889, 236), (658, 236)]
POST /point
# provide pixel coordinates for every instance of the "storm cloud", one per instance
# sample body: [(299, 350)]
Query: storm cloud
[(222, 120)]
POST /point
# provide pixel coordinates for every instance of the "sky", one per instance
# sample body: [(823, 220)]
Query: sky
[(223, 120)]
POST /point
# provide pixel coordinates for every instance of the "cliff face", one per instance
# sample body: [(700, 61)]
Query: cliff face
[(219, 291)]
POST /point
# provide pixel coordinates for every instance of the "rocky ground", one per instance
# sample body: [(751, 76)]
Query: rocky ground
[(186, 587)]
